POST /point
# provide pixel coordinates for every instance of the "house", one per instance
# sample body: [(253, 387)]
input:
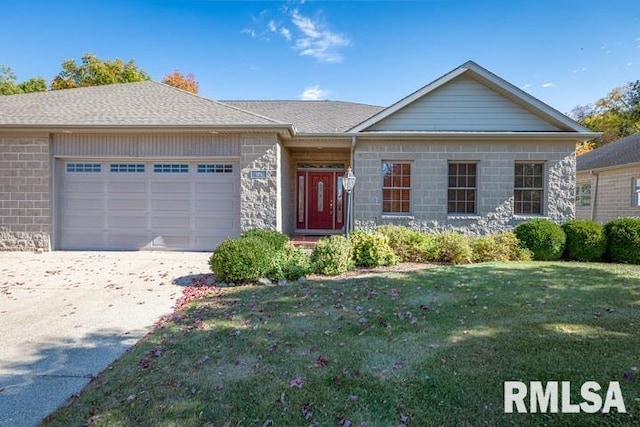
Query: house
[(144, 165), (608, 181)]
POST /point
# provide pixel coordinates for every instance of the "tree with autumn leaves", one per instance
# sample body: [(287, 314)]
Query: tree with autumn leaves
[(179, 80), (616, 115), (91, 71)]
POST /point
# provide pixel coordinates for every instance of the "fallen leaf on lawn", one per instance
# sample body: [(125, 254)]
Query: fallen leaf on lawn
[(344, 422), (296, 382), (322, 361), (306, 411)]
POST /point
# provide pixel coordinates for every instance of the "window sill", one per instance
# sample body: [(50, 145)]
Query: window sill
[(527, 217), (464, 217), (398, 216)]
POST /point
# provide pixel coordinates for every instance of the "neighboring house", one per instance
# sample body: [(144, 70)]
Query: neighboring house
[(145, 165), (608, 181)]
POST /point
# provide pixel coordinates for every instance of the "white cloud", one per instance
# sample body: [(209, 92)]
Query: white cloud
[(317, 40), (547, 84), (314, 93), (526, 86), (308, 36), (249, 31), (285, 33), (579, 70)]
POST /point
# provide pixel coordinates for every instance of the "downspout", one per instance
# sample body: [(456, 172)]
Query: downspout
[(353, 168), (353, 149), (595, 196)]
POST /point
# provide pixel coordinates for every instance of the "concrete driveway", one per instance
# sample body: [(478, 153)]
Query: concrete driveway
[(65, 316)]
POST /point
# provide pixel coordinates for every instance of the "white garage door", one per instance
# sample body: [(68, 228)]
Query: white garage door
[(125, 205)]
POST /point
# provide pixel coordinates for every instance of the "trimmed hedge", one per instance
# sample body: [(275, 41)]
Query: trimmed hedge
[(332, 256), (274, 239), (259, 254), (371, 249), (241, 260), (454, 248), (503, 246), (410, 245), (623, 240), (544, 238), (586, 240)]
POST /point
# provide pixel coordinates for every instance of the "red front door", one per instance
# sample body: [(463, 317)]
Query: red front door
[(321, 191)]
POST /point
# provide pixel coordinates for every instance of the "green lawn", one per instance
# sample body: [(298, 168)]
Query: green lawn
[(417, 348)]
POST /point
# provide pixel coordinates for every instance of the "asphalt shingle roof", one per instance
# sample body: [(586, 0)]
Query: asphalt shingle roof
[(621, 152), (312, 116), (130, 104)]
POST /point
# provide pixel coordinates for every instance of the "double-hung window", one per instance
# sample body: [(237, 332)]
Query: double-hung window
[(583, 195), (396, 187), (463, 185), (528, 194), (636, 192)]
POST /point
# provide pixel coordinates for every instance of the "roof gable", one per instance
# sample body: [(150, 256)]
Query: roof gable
[(141, 104), (470, 98)]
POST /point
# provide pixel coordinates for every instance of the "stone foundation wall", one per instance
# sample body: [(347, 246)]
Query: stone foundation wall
[(429, 183), (25, 220)]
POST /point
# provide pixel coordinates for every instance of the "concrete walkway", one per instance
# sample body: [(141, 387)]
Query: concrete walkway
[(65, 316)]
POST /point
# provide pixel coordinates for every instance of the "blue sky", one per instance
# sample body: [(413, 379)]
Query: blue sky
[(564, 52)]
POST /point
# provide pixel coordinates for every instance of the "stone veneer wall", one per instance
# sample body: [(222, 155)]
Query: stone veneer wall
[(429, 182), (259, 197), (25, 222)]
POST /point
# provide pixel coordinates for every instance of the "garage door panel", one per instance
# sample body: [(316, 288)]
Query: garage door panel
[(128, 187), (91, 204), (171, 204), (84, 186), (82, 221), (127, 222), (172, 240), (207, 223), (166, 223), (132, 204), (155, 210), (127, 241), (81, 240), (216, 206), (170, 187), (208, 188)]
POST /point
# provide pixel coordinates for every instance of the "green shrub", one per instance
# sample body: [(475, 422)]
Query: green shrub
[(586, 240), (453, 247), (623, 240), (332, 256), (503, 246), (276, 240), (291, 263), (409, 245), (371, 249), (241, 260), (544, 238)]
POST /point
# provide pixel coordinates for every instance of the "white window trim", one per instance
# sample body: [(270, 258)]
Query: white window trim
[(543, 199), (410, 188), (635, 186)]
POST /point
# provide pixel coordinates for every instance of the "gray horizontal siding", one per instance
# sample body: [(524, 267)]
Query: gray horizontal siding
[(463, 105), (161, 145)]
